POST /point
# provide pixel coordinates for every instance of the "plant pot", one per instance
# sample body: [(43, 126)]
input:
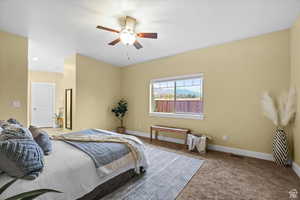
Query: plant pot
[(60, 122), (281, 148), (121, 130)]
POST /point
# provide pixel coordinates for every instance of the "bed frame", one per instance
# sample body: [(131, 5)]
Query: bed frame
[(111, 185)]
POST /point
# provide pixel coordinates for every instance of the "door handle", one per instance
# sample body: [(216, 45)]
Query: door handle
[(34, 109)]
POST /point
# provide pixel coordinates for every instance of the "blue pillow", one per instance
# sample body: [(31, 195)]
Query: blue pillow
[(14, 131), (1, 129), (21, 158), (3, 123), (44, 142), (14, 121)]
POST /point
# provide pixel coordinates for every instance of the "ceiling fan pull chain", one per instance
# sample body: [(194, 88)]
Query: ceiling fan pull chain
[(127, 55)]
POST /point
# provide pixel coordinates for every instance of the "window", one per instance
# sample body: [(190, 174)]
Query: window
[(179, 97)]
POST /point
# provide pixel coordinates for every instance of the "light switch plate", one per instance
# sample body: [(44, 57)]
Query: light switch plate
[(225, 137), (16, 104)]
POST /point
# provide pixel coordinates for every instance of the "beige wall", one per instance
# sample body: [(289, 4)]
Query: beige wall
[(235, 75), (49, 77), (69, 81), (97, 89), (13, 76), (295, 81)]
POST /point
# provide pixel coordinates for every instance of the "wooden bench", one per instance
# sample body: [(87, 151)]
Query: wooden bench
[(158, 129)]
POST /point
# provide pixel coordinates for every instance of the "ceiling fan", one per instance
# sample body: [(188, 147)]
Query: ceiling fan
[(127, 34)]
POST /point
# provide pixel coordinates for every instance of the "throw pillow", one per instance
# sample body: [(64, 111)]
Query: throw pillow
[(35, 131), (21, 158), (44, 142), (14, 121)]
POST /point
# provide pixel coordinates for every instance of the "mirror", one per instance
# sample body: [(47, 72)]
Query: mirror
[(68, 109)]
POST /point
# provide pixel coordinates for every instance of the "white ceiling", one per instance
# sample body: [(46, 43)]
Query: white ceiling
[(59, 28)]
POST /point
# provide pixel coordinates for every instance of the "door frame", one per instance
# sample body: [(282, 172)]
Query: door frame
[(53, 100)]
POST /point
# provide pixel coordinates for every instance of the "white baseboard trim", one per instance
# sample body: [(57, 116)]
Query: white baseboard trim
[(242, 152), (296, 168)]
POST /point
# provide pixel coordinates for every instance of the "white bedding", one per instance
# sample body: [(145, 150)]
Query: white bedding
[(70, 171)]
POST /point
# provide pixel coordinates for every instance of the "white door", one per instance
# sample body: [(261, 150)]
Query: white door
[(42, 104)]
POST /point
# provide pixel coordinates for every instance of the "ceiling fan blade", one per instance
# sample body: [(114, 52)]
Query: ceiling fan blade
[(137, 45), (107, 29), (112, 43), (147, 35)]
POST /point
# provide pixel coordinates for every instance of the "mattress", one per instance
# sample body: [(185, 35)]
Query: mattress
[(70, 171)]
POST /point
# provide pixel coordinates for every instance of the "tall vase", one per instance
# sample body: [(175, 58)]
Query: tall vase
[(281, 148)]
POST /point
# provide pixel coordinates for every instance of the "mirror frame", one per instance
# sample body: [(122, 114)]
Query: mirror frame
[(68, 105)]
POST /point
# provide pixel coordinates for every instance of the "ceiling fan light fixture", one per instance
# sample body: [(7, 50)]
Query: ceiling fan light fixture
[(127, 37)]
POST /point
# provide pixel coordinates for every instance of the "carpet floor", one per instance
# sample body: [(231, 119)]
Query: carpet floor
[(226, 177), (167, 175)]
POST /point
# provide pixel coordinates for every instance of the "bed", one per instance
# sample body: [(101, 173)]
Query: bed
[(73, 172)]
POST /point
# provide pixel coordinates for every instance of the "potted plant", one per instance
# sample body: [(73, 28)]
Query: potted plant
[(120, 111), (59, 120), (281, 115), (26, 195)]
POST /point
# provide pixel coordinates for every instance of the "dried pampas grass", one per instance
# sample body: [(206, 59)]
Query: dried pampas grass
[(269, 108), (286, 107)]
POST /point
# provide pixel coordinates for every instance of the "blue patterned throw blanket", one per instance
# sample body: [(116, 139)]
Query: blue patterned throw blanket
[(105, 147), (101, 153)]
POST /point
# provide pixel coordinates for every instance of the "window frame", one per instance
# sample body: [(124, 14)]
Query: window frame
[(199, 116)]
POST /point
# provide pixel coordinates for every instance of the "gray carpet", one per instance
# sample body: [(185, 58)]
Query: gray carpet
[(166, 176)]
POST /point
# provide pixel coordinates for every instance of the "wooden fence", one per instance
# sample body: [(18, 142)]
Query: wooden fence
[(191, 106)]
